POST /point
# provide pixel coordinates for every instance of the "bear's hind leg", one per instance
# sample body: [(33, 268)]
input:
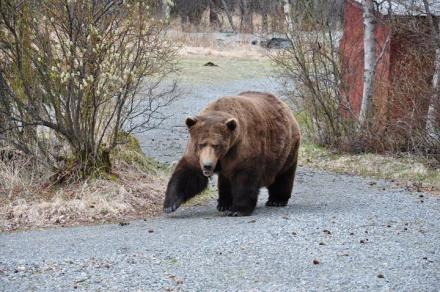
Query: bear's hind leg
[(224, 201), (245, 190), (281, 190)]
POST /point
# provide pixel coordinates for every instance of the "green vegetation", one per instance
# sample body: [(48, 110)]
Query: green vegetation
[(405, 168), (193, 72), (130, 153), (208, 194)]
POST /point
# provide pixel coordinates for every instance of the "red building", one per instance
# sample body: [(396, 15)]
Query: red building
[(405, 64)]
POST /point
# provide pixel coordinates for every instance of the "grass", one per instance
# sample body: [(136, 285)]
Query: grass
[(135, 189), (194, 73), (408, 170)]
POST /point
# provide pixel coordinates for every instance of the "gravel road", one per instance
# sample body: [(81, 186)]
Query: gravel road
[(339, 232)]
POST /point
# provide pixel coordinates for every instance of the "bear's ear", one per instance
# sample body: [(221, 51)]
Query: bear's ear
[(231, 124), (190, 121)]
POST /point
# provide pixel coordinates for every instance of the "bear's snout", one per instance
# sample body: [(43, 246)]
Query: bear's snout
[(208, 169)]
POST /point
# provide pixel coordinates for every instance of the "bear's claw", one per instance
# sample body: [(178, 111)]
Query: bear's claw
[(222, 208), (171, 208), (232, 213), (276, 203)]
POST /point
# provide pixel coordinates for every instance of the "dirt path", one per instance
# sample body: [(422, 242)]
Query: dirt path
[(338, 232), (362, 236)]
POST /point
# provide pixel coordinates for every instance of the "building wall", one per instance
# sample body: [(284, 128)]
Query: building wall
[(352, 58), (412, 69)]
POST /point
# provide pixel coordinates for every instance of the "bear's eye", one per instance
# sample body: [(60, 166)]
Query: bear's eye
[(216, 147), (201, 145)]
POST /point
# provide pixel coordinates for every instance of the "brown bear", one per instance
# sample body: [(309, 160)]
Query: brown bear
[(251, 141)]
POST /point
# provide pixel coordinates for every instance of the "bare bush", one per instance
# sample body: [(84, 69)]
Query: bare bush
[(405, 100), (78, 73), (311, 71)]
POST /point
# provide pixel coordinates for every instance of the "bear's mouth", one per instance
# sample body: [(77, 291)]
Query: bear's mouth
[(208, 173)]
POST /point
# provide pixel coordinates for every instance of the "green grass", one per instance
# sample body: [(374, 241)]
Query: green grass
[(131, 153), (405, 168), (208, 194), (193, 72)]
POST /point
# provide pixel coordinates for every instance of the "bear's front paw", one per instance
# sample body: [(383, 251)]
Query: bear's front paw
[(236, 213), (223, 206), (171, 205), (272, 203)]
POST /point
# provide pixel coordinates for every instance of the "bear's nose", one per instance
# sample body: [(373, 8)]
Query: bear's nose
[(207, 167)]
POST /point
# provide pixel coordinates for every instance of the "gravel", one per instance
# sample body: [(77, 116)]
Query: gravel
[(338, 232)]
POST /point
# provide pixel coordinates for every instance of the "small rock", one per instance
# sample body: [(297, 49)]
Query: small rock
[(327, 231), (351, 233), (294, 233), (252, 221), (381, 276), (123, 223), (321, 243), (362, 241), (316, 262), (210, 64), (150, 231)]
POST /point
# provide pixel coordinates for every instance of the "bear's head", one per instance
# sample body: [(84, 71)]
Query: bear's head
[(212, 136)]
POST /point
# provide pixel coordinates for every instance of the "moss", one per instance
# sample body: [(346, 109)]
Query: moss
[(206, 195), (131, 153)]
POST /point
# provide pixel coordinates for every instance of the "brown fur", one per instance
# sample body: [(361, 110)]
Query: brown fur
[(251, 141)]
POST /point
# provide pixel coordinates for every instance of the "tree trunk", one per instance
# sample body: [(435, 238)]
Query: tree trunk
[(229, 15), (264, 22), (214, 20), (246, 22), (287, 9), (366, 112), (166, 10), (432, 119)]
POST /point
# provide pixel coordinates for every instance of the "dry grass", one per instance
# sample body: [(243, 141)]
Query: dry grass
[(410, 171), (27, 200), (217, 44)]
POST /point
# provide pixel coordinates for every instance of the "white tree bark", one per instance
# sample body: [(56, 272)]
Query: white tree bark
[(287, 7), (431, 126), (369, 63), (166, 8)]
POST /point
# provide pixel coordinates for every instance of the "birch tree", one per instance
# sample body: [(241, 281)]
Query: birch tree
[(369, 63), (287, 8), (432, 127), (229, 15)]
